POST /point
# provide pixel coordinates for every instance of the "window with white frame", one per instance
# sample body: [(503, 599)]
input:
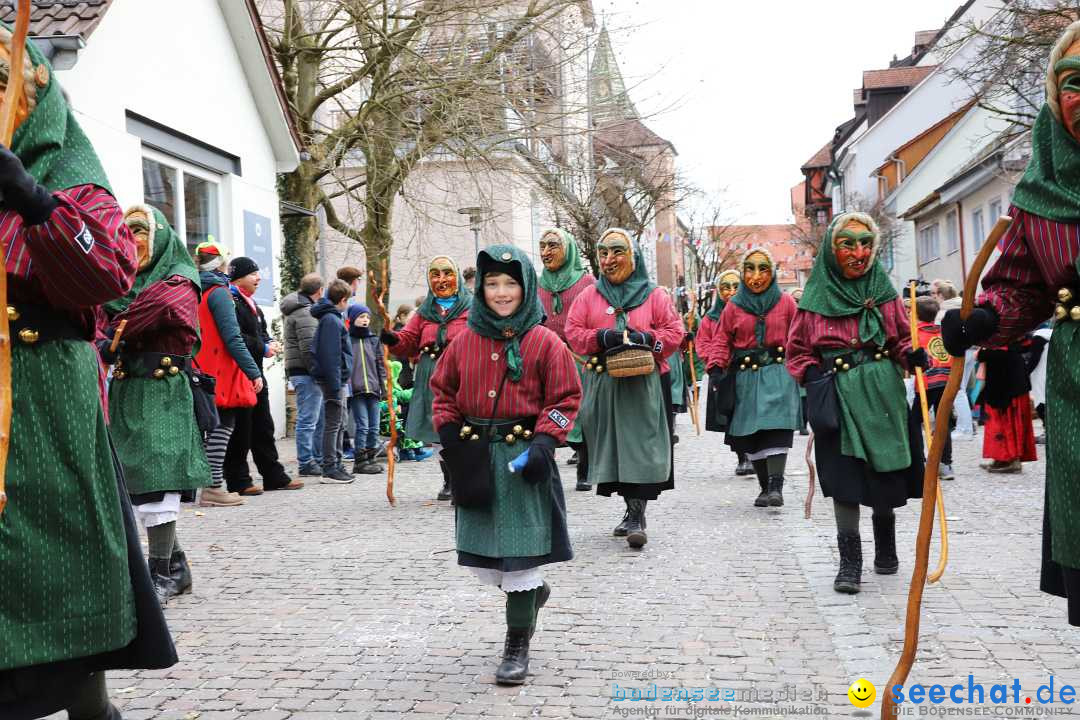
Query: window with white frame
[(188, 196), (978, 231), (929, 244), (995, 211), (952, 232)]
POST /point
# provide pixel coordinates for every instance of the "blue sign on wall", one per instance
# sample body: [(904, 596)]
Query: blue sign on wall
[(260, 248)]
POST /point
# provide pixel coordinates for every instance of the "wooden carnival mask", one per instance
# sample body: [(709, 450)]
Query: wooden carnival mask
[(140, 225), (853, 246), (757, 272), (616, 257), (728, 285), (442, 278), (1068, 82), (552, 252)]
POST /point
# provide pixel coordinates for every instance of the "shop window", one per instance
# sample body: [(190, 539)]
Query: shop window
[(189, 197)]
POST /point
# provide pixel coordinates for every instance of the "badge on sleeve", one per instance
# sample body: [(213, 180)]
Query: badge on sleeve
[(658, 347), (558, 418), (85, 239)]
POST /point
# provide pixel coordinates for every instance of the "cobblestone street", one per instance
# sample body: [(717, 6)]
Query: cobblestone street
[(328, 603)]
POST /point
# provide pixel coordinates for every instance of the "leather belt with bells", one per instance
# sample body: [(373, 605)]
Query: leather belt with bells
[(755, 359), (433, 350), (1068, 306), (855, 358), (157, 366), (508, 432), (595, 363), (36, 324)]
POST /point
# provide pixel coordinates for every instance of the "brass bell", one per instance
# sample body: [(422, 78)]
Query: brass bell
[(780, 349), (28, 336), (1060, 312), (839, 362), (475, 437), (119, 375), (510, 439), (599, 369), (1065, 295), (166, 361), (588, 366), (12, 314), (432, 356), (1075, 314), (159, 373), (527, 434), (174, 370), (845, 367), (518, 429), (594, 361), (878, 356), (754, 367)]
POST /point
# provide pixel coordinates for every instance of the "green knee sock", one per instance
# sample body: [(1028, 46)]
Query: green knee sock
[(521, 609), (761, 467), (776, 465), (161, 539)]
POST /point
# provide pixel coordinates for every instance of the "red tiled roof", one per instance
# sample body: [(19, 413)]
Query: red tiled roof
[(822, 158), (59, 17), (629, 134), (896, 77)]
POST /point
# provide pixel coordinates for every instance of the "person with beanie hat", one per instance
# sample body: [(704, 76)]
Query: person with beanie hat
[(368, 381)]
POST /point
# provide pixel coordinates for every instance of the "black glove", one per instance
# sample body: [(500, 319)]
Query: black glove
[(608, 339), (959, 335), (918, 359), (641, 338), (450, 434), (21, 192), (541, 460), (690, 336), (716, 372), (109, 356), (388, 337)]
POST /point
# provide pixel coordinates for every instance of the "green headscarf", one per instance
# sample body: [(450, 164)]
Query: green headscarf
[(485, 321), (565, 277), (50, 143), (430, 308), (830, 294), (758, 304), (168, 256), (633, 291), (718, 305)]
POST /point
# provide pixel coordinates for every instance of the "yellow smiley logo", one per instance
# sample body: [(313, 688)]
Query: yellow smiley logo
[(862, 693)]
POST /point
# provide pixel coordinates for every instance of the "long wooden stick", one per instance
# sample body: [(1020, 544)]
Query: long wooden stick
[(920, 385), (930, 480), (378, 290), (8, 108), (693, 382), (116, 336), (809, 503)]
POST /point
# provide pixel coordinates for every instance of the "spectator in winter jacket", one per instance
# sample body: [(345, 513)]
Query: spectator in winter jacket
[(299, 332), (368, 385), (331, 366)]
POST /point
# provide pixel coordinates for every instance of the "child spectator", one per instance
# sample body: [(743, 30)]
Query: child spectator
[(331, 359), (368, 385), (937, 375)]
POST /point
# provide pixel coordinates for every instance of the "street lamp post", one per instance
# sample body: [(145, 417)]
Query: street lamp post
[(476, 216)]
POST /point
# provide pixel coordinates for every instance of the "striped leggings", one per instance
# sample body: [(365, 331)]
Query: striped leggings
[(216, 442)]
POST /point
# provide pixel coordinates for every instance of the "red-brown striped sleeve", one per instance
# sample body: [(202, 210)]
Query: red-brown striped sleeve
[(408, 344), (706, 340), (168, 305)]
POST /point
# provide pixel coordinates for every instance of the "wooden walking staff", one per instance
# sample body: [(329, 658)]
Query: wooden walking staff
[(693, 384), (8, 107), (377, 292), (930, 480), (920, 384)]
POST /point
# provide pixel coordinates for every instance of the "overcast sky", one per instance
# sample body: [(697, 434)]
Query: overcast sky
[(748, 91)]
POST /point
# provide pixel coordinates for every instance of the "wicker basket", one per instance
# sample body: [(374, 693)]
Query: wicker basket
[(629, 359)]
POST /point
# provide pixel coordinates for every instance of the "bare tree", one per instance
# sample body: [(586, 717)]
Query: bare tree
[(377, 86), (1007, 73), (710, 245)]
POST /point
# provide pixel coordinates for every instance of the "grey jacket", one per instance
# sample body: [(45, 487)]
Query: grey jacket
[(299, 331), (368, 373)]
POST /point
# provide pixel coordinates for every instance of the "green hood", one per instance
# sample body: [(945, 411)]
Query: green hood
[(1050, 187), (830, 294), (169, 256), (484, 321), (565, 277)]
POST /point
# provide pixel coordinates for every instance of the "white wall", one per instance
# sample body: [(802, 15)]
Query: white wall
[(174, 63)]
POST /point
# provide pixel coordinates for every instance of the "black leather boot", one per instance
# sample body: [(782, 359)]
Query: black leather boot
[(635, 529), (164, 586), (776, 491), (745, 467), (445, 493), (885, 560), (849, 579), (180, 572), (583, 478), (515, 663), (762, 500), (622, 528)]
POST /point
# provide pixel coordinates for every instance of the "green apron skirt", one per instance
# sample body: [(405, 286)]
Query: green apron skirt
[(524, 527), (626, 426), (1061, 514), (63, 551), (418, 424), (677, 382), (766, 403), (153, 429)]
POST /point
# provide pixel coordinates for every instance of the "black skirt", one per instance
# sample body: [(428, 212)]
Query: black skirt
[(560, 541), (41, 690), (850, 480), (648, 491), (761, 440)]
